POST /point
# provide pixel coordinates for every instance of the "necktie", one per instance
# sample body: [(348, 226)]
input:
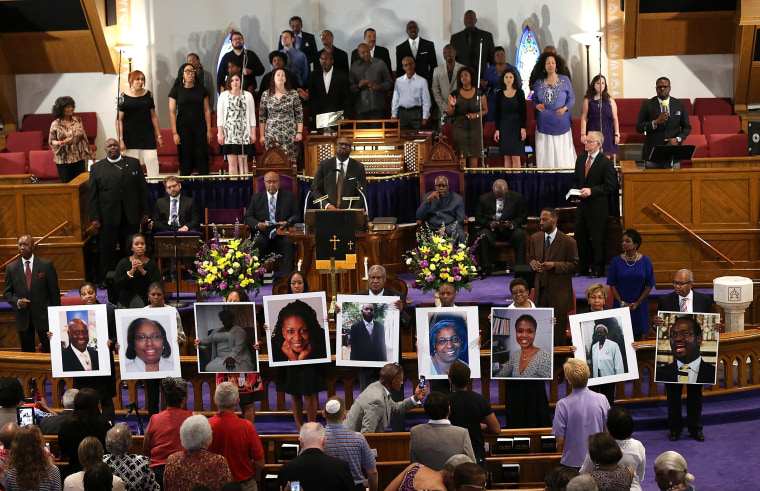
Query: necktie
[(414, 48), (341, 181), (499, 208), (298, 42), (272, 206), (548, 242), (29, 275), (683, 304), (683, 374), (173, 212), (588, 164)]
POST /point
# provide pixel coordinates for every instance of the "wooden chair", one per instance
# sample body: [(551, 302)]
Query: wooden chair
[(276, 160), (224, 219)]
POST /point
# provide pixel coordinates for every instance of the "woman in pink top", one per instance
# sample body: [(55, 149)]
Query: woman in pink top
[(162, 435)]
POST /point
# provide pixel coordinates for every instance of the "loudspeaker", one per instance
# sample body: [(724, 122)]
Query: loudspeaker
[(753, 136), (111, 14)]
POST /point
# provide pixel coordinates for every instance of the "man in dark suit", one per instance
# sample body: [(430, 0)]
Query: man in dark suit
[(501, 214), (246, 59), (78, 357), (368, 337), (554, 257), (313, 468), (467, 44), (188, 216), (421, 50), (340, 177), (52, 424), (31, 286), (270, 209), (332, 98), (339, 56), (595, 177), (303, 41), (685, 299), (375, 51), (443, 207), (118, 203), (662, 119)]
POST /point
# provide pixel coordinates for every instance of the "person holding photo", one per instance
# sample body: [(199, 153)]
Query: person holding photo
[(528, 361), (298, 335)]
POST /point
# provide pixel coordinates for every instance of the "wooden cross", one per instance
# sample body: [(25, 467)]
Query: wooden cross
[(335, 241)]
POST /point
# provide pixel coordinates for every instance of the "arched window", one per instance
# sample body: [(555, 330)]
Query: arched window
[(528, 53)]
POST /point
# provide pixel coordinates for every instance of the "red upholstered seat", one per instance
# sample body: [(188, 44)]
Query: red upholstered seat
[(576, 129), (689, 108), (721, 124), (24, 141), (168, 158), (12, 163), (42, 165), (735, 145), (696, 125), (713, 105), (700, 141), (628, 112)]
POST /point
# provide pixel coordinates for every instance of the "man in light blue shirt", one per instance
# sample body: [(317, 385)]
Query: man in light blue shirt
[(411, 98), (297, 61)]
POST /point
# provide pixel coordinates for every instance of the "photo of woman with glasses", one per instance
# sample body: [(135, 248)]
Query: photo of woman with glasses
[(147, 347), (448, 343)]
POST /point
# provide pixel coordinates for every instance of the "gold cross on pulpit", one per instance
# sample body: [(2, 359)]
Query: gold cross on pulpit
[(350, 245), (335, 240)]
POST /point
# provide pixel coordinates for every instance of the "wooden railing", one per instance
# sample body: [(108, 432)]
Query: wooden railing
[(738, 369)]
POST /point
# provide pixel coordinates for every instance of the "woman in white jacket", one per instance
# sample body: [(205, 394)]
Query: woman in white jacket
[(236, 120)]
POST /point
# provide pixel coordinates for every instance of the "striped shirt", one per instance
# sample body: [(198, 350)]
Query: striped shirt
[(349, 446)]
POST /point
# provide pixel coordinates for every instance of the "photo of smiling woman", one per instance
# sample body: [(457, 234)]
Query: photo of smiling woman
[(148, 349), (448, 343), (297, 335), (528, 345)]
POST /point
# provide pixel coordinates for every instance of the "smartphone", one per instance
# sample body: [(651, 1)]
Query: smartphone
[(422, 381), (25, 416), (295, 485)]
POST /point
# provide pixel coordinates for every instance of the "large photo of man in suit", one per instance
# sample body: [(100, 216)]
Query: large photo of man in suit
[(79, 340), (369, 331), (687, 347)]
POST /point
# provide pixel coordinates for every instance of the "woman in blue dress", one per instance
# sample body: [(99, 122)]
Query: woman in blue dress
[(597, 94), (631, 278), (553, 98)]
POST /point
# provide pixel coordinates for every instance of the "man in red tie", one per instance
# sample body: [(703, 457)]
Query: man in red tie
[(596, 178), (31, 286)]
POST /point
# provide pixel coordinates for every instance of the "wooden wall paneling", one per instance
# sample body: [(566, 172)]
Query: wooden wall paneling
[(52, 52), (8, 103), (744, 47), (685, 33), (631, 22)]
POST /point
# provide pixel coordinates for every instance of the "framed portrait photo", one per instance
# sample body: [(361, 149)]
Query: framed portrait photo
[(522, 343), (79, 346), (604, 340), (687, 348), (227, 334), (148, 346), (446, 335), (367, 331), (298, 332)]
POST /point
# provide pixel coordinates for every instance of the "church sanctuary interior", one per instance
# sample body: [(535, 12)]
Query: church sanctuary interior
[(693, 203)]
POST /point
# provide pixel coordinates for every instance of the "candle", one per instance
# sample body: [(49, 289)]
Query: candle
[(366, 271), (299, 264)]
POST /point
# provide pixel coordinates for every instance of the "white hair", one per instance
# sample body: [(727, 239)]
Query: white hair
[(312, 435), (119, 439), (68, 398), (226, 395), (582, 483), (195, 432), (673, 462)]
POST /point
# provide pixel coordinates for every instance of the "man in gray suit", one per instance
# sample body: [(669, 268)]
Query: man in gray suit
[(371, 411), (445, 82), (432, 444)]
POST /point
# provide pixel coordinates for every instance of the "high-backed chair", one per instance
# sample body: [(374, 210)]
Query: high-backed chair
[(168, 155), (42, 165), (276, 160), (224, 219), (721, 124), (628, 112), (12, 163), (24, 141), (442, 161), (696, 125), (735, 145), (712, 105)]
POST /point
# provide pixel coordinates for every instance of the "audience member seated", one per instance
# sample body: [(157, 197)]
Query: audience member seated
[(133, 469), (348, 445), (608, 473), (417, 476), (313, 468), (371, 411), (28, 468), (98, 477), (578, 415), (471, 410), (52, 425), (582, 483), (235, 438), (670, 472), (11, 396), (90, 453), (433, 443), (557, 479), (195, 466), (7, 433), (175, 204), (272, 209), (501, 214), (134, 274), (620, 426), (469, 476), (443, 208), (84, 421)]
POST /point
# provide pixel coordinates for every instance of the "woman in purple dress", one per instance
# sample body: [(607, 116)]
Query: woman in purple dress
[(553, 97), (631, 278), (590, 119)]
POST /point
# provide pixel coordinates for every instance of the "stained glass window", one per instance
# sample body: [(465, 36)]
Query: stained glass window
[(528, 53)]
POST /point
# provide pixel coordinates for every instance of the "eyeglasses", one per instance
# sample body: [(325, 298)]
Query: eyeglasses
[(681, 283), (591, 141), (519, 292), (190, 70), (153, 337), (451, 340), (681, 335)]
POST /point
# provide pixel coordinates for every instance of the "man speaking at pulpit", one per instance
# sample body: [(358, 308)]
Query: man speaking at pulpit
[(340, 177)]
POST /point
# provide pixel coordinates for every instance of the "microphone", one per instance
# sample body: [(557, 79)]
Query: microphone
[(132, 406), (665, 106)]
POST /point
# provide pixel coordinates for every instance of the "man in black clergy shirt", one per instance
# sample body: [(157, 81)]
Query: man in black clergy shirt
[(269, 210)]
